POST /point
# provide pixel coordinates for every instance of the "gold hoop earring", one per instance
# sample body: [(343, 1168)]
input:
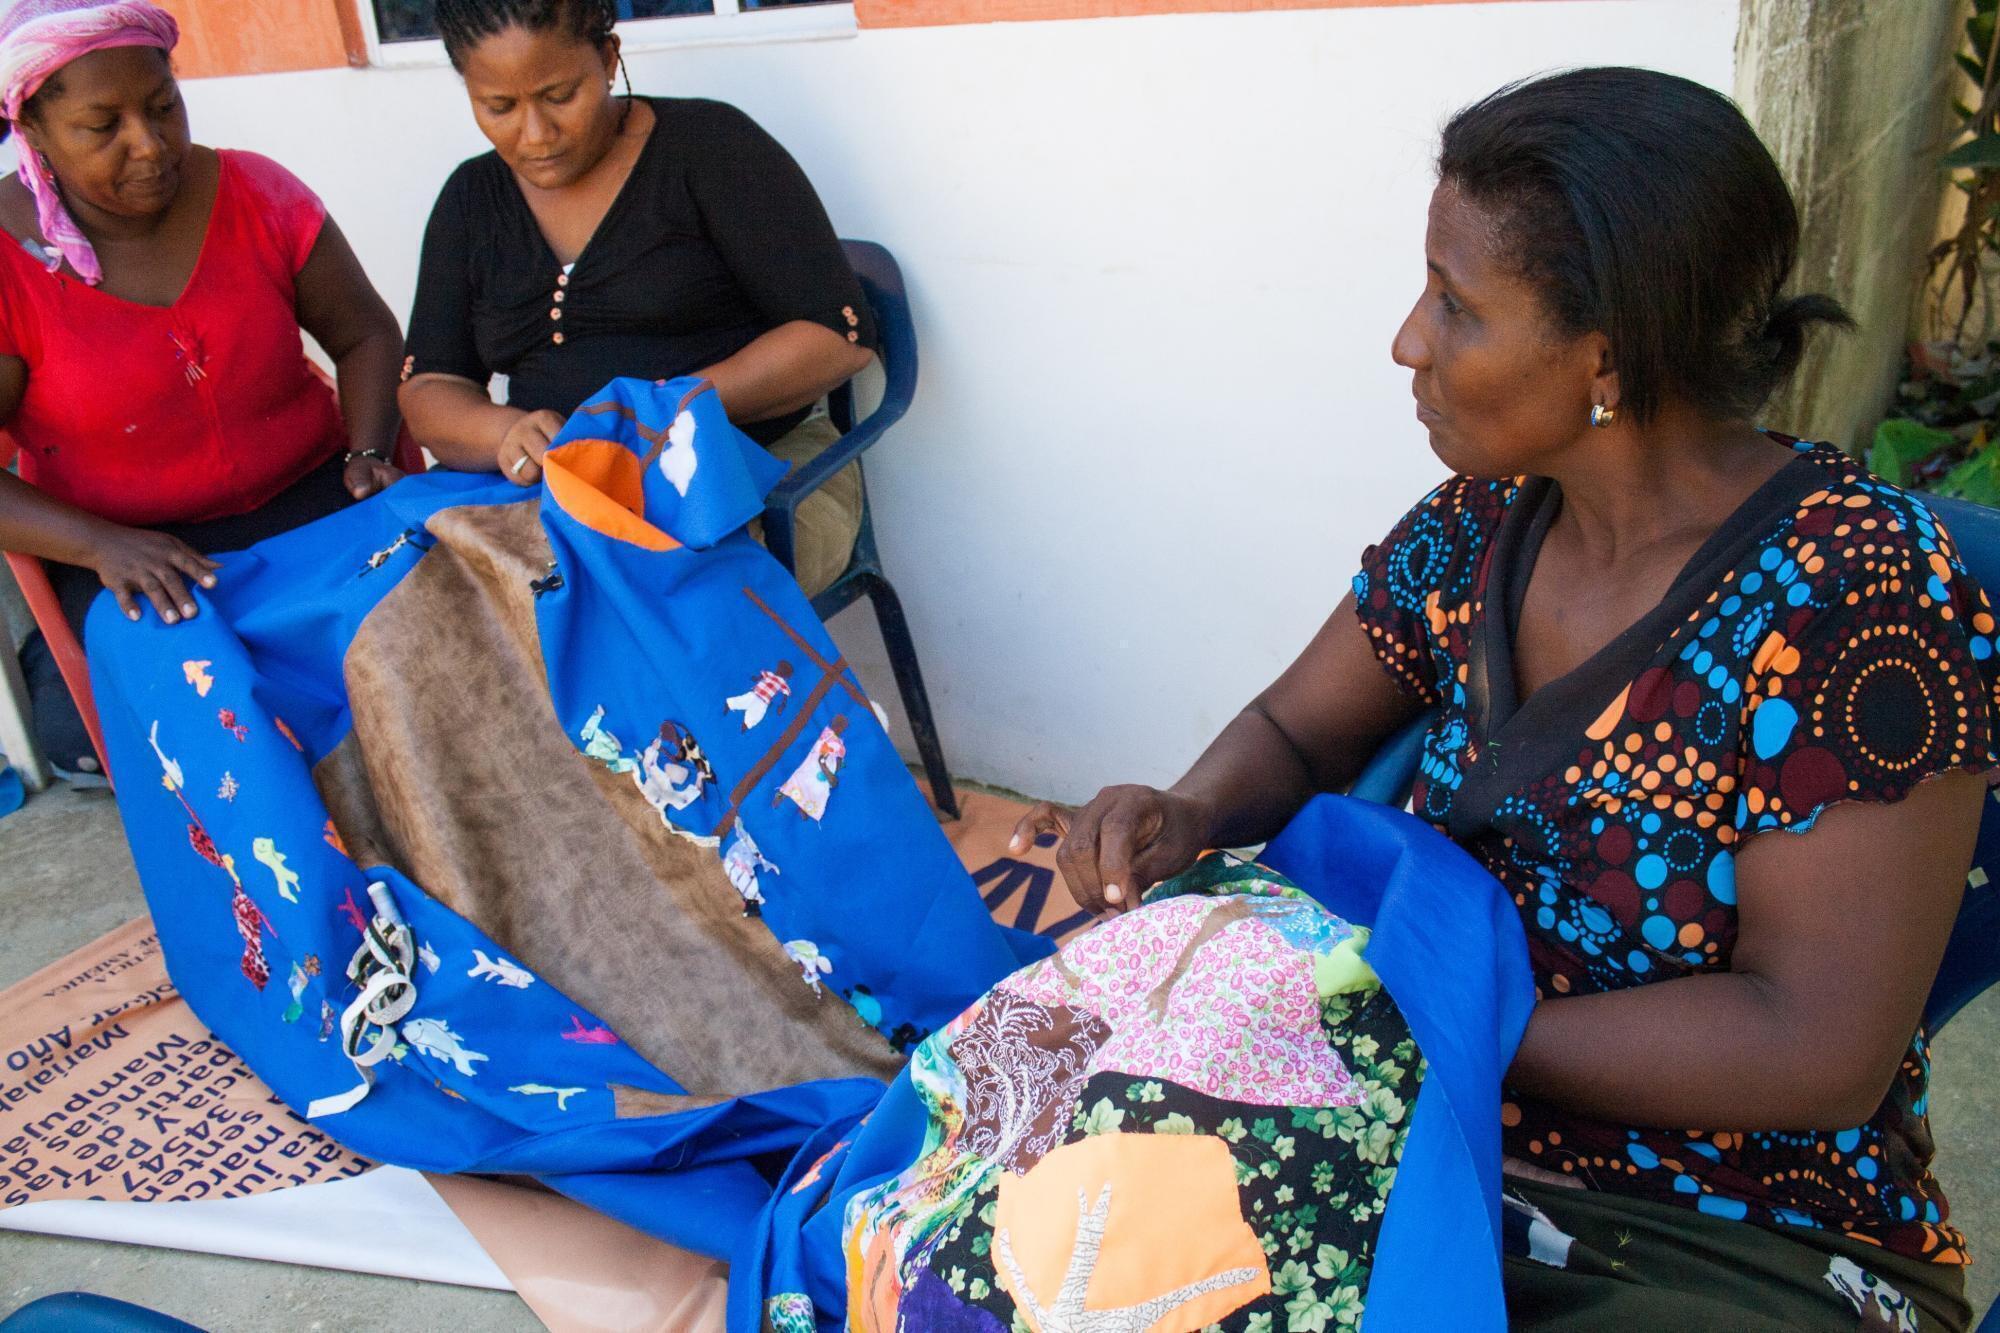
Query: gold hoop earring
[(1602, 416)]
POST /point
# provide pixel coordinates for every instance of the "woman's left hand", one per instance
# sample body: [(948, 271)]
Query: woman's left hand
[(365, 476)]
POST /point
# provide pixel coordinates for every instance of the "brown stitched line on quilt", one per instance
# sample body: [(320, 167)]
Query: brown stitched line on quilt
[(837, 670), (459, 774), (835, 673), (656, 438), (772, 755)]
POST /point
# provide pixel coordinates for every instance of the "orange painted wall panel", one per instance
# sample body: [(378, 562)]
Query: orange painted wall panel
[(927, 13), (221, 37), (262, 36)]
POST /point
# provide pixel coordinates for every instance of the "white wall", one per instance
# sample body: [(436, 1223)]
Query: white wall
[(1156, 264)]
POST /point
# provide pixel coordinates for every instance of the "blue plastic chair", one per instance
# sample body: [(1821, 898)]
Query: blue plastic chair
[(882, 284), (81, 1312), (1972, 958)]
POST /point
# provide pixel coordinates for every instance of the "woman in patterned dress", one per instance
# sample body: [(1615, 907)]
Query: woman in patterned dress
[(1713, 705)]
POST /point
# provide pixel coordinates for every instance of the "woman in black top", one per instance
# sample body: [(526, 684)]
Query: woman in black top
[(608, 236)]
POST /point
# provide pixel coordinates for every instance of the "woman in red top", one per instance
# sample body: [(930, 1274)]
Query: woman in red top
[(152, 294)]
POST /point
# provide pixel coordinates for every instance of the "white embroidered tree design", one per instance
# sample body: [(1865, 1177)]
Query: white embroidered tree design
[(1067, 1314)]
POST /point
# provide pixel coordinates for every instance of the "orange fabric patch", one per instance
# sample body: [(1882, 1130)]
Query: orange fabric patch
[(871, 1284), (602, 486), (1173, 1234)]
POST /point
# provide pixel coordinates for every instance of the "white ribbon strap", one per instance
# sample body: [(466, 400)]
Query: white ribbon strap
[(382, 967)]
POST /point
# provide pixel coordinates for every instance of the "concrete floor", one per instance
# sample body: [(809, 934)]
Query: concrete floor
[(66, 878)]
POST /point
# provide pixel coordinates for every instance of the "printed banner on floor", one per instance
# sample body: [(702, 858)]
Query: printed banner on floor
[(111, 1091)]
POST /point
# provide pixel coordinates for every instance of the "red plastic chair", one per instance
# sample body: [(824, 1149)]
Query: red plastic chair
[(49, 619), (47, 610)]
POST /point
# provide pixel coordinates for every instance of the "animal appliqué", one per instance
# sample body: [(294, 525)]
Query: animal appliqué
[(741, 863), (598, 1035), (502, 971), (672, 770)]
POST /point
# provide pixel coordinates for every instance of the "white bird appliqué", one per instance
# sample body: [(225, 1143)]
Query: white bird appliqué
[(678, 461), (170, 770)]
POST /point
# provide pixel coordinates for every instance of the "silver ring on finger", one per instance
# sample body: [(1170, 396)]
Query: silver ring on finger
[(519, 463)]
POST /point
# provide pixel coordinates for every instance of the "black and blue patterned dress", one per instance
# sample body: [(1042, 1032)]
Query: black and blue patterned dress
[(1825, 645)]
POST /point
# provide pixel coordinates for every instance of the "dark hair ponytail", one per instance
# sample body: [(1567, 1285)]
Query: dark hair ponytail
[(1785, 330), (1644, 206), (464, 24)]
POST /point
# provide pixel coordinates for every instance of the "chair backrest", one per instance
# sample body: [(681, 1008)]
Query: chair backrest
[(895, 334), (1972, 958)]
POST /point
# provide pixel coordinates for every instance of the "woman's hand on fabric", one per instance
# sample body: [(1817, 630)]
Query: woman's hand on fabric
[(1124, 841), (365, 476), (521, 449), (137, 564)]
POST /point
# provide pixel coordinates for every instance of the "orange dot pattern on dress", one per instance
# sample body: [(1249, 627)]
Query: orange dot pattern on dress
[(1825, 646)]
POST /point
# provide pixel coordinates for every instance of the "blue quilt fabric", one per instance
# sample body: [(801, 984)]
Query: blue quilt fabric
[(659, 607), (681, 658)]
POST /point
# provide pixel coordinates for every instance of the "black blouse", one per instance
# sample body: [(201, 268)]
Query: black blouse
[(715, 239)]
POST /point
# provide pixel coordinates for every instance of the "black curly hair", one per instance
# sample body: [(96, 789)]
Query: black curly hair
[(464, 24), (1644, 205)]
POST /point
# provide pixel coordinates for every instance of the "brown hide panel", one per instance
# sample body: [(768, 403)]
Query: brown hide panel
[(458, 774)]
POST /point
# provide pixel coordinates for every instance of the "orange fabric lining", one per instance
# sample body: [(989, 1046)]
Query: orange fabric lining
[(602, 486)]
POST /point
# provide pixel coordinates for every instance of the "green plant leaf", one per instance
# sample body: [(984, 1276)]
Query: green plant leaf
[(1974, 70), (1981, 154), (1900, 445), (1885, 464), (1972, 480)]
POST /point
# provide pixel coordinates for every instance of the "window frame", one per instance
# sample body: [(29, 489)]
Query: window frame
[(729, 25)]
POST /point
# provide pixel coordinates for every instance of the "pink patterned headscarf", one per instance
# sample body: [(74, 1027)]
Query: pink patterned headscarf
[(39, 37)]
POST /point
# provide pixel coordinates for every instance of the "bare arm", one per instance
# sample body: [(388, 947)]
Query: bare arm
[(13, 383), (1840, 931), (343, 312), (1312, 730), (457, 420), (133, 562), (792, 366), (36, 524)]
